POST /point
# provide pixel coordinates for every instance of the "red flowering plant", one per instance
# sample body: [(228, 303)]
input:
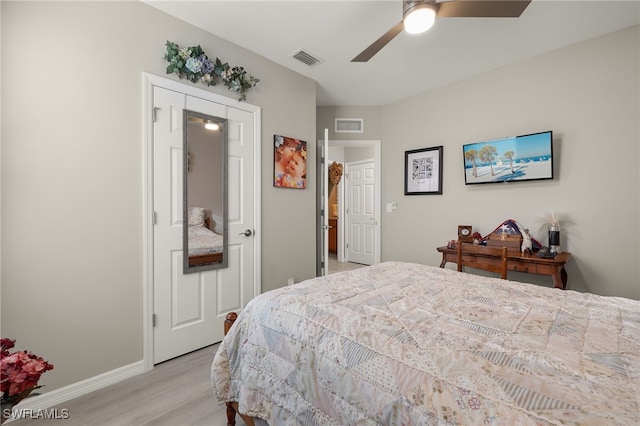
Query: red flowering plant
[(19, 372)]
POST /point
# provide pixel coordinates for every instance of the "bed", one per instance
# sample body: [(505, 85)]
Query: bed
[(407, 344), (205, 245)]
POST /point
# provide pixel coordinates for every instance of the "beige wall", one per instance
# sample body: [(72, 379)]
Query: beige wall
[(72, 175), (589, 95), (372, 126), (358, 154)]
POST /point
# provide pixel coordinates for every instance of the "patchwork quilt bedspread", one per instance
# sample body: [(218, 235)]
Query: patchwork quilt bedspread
[(407, 344), (202, 240)]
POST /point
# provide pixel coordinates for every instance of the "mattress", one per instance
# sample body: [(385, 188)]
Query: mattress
[(402, 343), (202, 240)]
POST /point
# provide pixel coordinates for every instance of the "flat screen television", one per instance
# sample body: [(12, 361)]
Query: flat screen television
[(512, 159)]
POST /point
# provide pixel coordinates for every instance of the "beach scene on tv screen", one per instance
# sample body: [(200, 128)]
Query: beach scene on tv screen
[(510, 159)]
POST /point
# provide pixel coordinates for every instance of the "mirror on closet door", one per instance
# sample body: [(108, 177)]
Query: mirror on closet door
[(205, 192)]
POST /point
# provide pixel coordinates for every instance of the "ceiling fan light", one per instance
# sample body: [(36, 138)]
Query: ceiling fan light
[(419, 18)]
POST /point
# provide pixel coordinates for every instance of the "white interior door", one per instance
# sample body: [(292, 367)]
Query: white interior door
[(189, 309), (361, 213), (239, 279)]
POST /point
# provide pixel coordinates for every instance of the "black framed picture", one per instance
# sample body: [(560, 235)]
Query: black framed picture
[(423, 171)]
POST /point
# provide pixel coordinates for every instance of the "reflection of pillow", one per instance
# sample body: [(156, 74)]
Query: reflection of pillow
[(196, 216)]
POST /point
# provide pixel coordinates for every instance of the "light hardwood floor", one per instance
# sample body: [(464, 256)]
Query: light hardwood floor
[(335, 266), (176, 392)]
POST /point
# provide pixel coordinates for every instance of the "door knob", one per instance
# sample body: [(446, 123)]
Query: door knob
[(247, 233)]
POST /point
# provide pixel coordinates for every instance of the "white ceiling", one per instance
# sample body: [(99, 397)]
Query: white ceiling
[(453, 50)]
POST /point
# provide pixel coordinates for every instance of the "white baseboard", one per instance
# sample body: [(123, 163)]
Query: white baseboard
[(58, 396)]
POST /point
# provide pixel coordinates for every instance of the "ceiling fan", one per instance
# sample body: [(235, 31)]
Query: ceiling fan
[(419, 16)]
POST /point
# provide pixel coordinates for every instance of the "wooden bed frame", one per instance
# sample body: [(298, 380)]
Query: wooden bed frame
[(205, 259)]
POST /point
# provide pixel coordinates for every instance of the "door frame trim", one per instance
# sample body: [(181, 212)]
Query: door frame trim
[(149, 81)]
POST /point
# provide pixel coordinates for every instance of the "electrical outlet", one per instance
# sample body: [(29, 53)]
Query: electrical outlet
[(291, 280)]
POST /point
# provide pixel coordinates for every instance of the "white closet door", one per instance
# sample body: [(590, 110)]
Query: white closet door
[(361, 217), (189, 309)]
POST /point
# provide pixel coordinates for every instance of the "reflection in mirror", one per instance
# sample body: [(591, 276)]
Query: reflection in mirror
[(205, 192)]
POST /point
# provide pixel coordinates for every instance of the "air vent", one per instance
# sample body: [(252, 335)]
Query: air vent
[(349, 125), (306, 58)]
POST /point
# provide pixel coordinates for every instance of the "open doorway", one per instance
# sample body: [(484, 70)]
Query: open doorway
[(339, 201)]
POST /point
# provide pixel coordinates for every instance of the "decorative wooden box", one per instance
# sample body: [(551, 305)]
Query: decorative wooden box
[(505, 240)]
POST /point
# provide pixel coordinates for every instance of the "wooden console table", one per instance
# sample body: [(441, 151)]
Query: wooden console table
[(520, 262)]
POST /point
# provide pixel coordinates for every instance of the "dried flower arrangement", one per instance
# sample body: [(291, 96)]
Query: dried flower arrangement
[(335, 173), (20, 372)]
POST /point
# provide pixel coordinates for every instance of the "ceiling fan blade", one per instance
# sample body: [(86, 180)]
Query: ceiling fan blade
[(375, 47), (482, 8)]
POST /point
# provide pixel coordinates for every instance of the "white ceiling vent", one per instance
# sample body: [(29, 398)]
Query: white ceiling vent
[(307, 58), (349, 125)]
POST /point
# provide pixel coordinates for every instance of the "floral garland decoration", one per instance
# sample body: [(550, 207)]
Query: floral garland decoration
[(194, 65)]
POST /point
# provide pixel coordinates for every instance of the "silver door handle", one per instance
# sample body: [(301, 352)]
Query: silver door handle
[(247, 233)]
